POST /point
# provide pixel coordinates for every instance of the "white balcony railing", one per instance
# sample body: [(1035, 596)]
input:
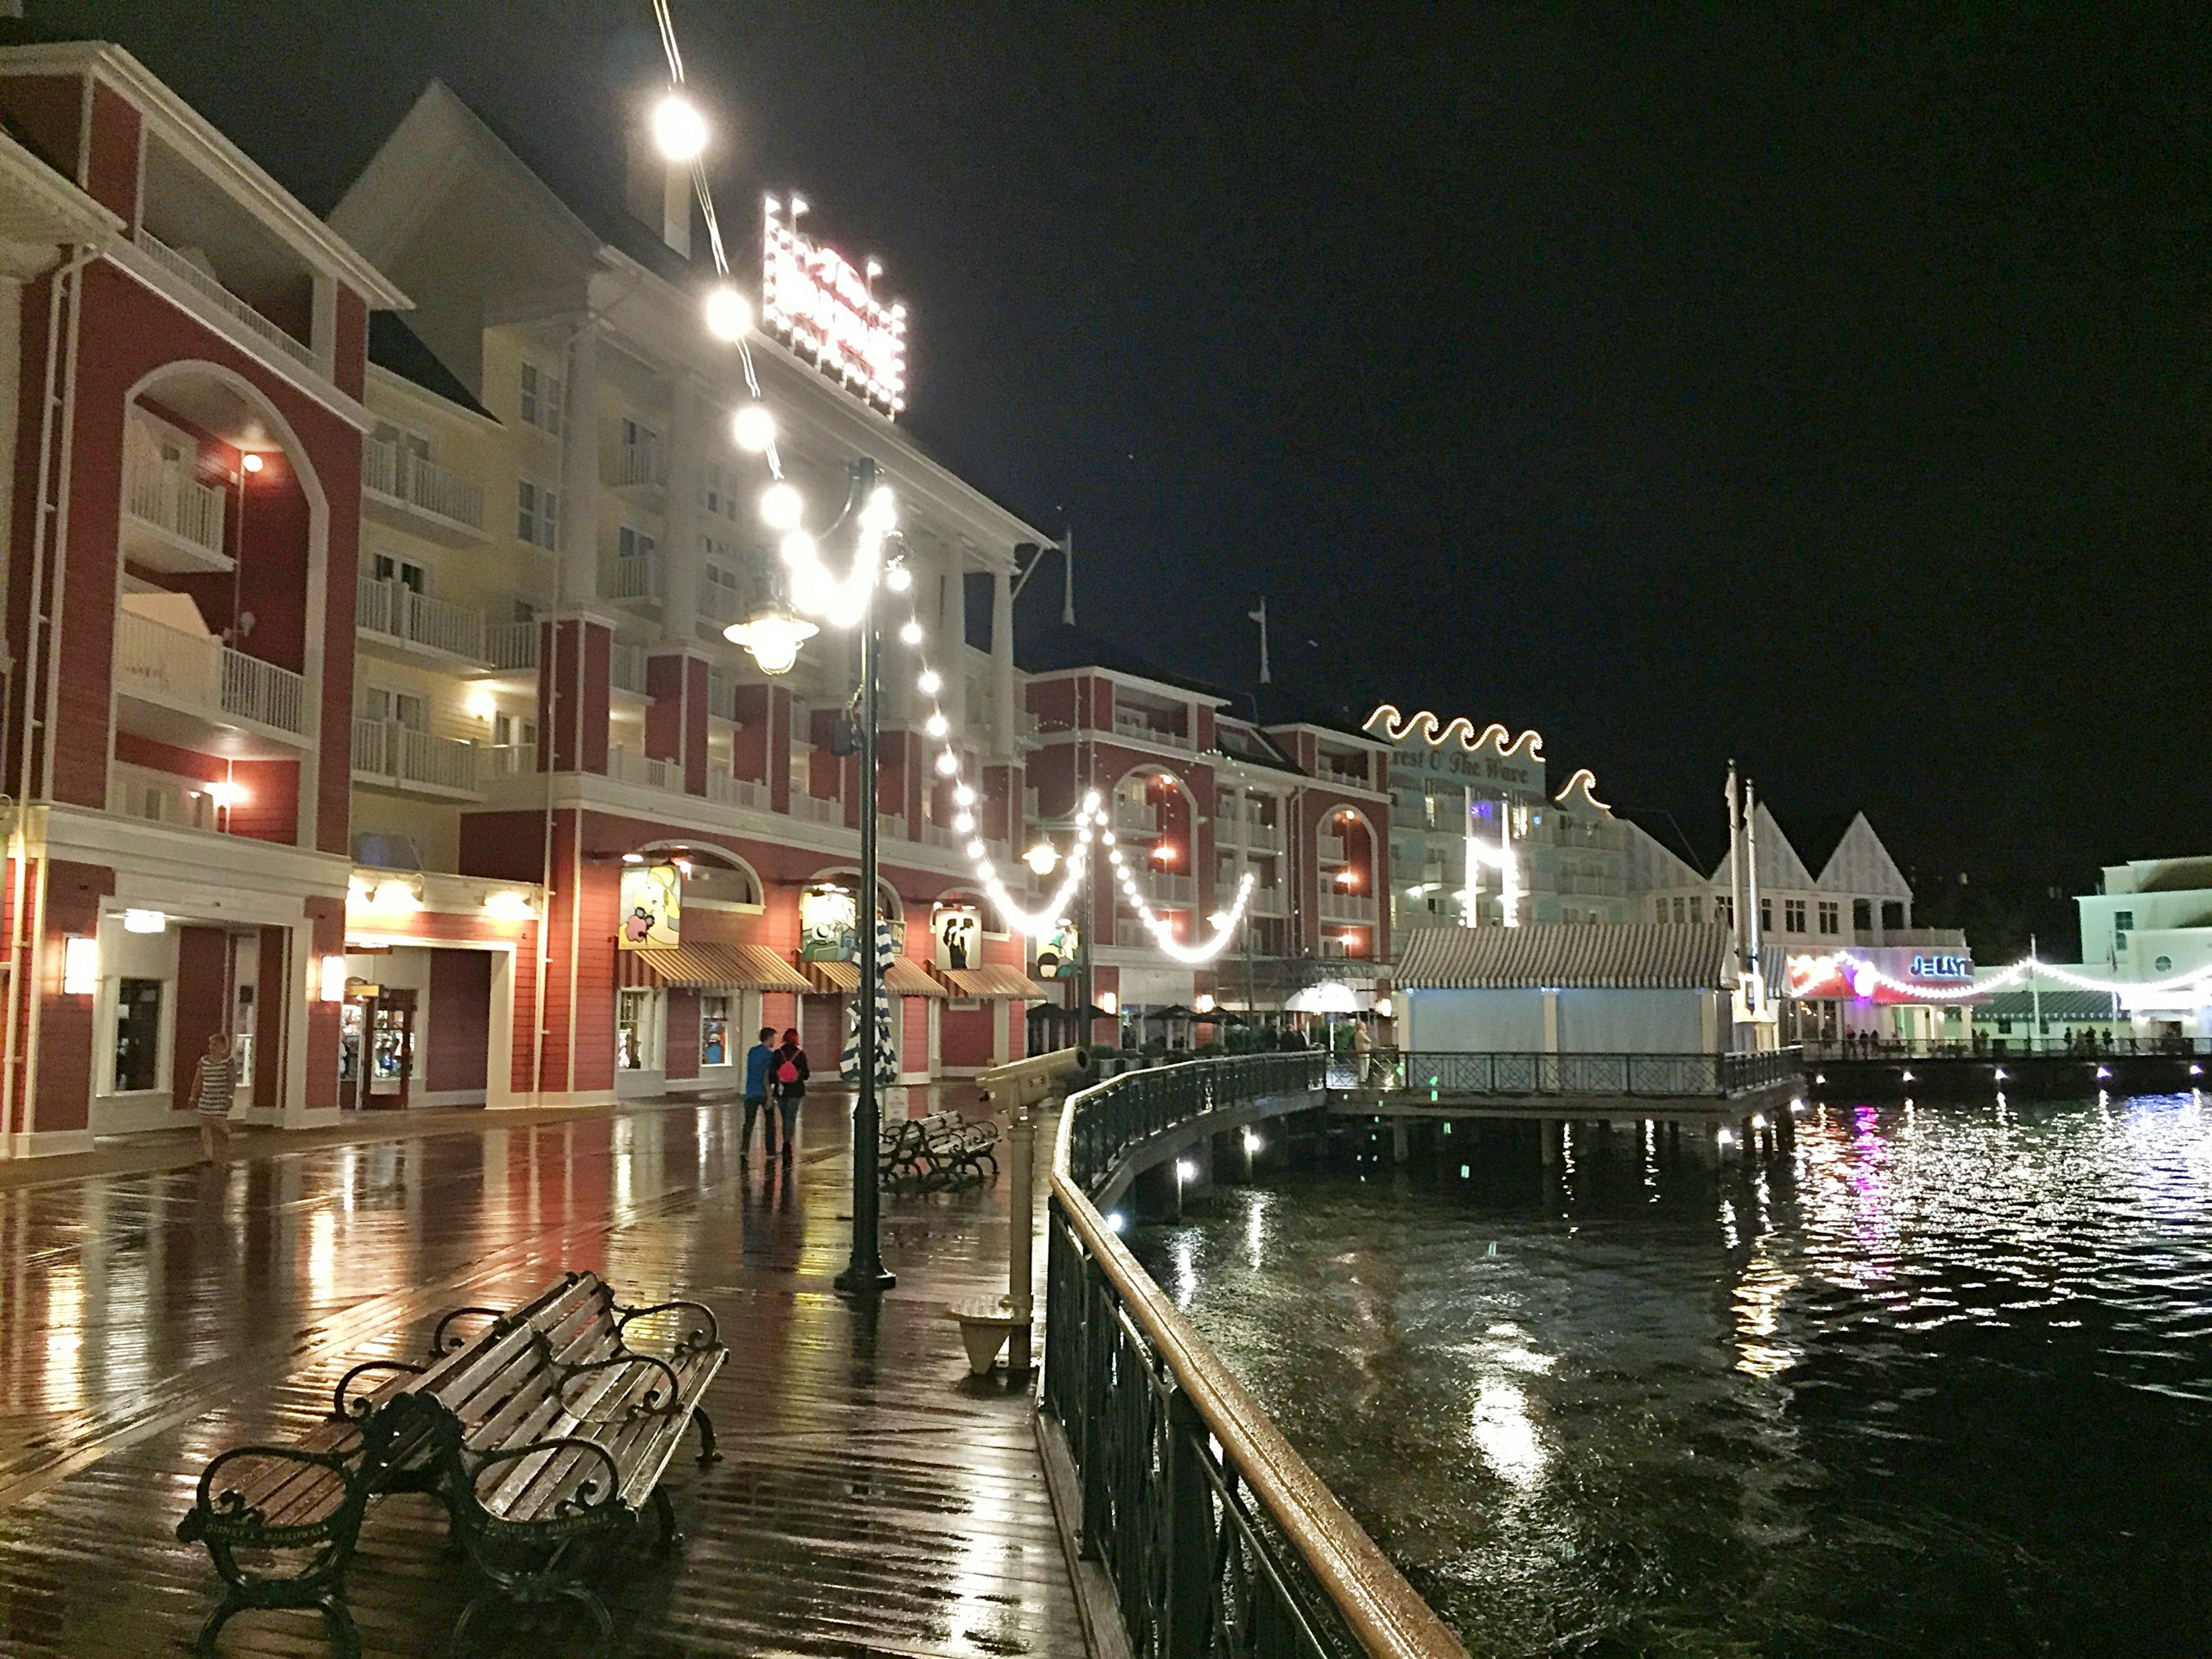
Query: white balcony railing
[(510, 760), (1337, 905), (1164, 888), (1264, 901), (207, 288), (201, 673), (1135, 725), (1331, 849), (890, 826), (1261, 837), (641, 463), (1136, 817), (510, 645), (718, 603), (628, 766), (398, 612), (726, 791), (721, 696), (391, 752), (941, 835), (816, 809), (167, 496), (638, 577), (394, 473)]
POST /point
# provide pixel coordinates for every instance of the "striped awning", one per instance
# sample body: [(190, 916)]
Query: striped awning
[(991, 980), (1565, 957), (903, 978), (710, 967)]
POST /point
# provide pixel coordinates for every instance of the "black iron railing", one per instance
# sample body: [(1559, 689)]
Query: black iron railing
[(1439, 1073), (1216, 1537), (2052, 1047)]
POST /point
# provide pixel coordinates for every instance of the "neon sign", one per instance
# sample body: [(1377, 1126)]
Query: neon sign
[(826, 309), (1942, 968)]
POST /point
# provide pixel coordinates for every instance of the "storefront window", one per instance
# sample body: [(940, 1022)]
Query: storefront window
[(713, 1031), (137, 1034), (631, 1013)]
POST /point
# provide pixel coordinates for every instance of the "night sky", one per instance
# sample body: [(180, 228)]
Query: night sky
[(1825, 392)]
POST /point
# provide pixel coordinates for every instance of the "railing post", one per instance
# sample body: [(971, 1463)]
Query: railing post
[(1190, 1564), (1097, 1383)]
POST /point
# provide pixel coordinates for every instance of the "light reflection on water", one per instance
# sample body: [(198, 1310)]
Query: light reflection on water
[(1937, 1382)]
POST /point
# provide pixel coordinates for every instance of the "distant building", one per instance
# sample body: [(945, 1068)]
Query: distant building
[(2151, 920)]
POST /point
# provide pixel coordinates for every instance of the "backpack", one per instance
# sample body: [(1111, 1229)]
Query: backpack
[(786, 1071)]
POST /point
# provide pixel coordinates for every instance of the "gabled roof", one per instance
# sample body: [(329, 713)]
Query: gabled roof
[(1244, 742), (1700, 844), (1565, 957), (1814, 837), (395, 347)]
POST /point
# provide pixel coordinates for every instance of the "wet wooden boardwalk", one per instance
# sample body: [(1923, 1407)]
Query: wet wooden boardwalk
[(873, 1500)]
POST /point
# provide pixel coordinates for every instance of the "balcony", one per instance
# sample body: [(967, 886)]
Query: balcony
[(1168, 891), (174, 522), (816, 809), (193, 690), (1135, 818), (1330, 848), (511, 647), (626, 668), (628, 766), (508, 760), (725, 790), (1357, 908), (718, 604), (397, 756), (1239, 829), (1265, 901), (176, 267), (395, 475), (1127, 724), (392, 612), (641, 463), (890, 826), (721, 697), (639, 577)]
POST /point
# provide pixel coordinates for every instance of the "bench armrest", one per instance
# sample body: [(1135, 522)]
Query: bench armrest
[(343, 1410), (441, 1344), (221, 1514), (711, 1337)]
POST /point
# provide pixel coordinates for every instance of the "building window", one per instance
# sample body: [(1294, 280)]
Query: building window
[(2124, 921), (399, 437), (538, 400), (1862, 916), (1829, 916), (1697, 909), (1724, 910), (137, 1035), (384, 568), (718, 491), (1766, 916), (1893, 914), (1793, 915), (630, 543), (713, 1031), (537, 515), (1681, 910)]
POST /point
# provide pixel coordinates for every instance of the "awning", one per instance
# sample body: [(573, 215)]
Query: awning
[(1565, 957), (710, 967), (904, 977), (991, 980)]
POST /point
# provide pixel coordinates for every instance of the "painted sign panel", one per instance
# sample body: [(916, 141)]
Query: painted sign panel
[(957, 932), (1833, 978), (828, 925), (1057, 951), (652, 906)]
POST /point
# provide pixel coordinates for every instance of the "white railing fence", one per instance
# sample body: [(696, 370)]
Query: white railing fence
[(166, 494), (175, 264), (397, 474), (202, 673)]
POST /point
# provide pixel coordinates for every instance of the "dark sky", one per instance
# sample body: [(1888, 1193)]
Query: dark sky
[(1829, 392)]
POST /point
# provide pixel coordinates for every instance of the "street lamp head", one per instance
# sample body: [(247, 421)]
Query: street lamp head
[(773, 636), (1041, 857), (679, 131)]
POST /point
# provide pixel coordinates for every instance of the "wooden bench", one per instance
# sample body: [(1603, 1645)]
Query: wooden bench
[(941, 1150), (545, 1434)]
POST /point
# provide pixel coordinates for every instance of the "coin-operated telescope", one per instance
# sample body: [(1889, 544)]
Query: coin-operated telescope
[(1020, 1086)]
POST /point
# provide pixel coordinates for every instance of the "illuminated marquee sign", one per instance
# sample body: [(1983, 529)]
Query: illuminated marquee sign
[(814, 299), (1942, 968), (1829, 978)]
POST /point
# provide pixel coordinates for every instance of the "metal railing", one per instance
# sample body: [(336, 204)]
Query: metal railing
[(391, 752), (638, 577), (394, 473), (1339, 906), (1214, 1536), (1439, 1072), (645, 462), (2052, 1045), (175, 264), (201, 672), (1264, 901), (167, 495), (398, 612), (1329, 848)]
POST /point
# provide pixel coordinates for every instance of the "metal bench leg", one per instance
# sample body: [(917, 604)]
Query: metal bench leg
[(228, 1609), (707, 1452), (664, 1516), (344, 1637)]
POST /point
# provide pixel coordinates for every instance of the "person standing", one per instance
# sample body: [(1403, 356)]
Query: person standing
[(212, 1088), (758, 1059), (787, 1074)]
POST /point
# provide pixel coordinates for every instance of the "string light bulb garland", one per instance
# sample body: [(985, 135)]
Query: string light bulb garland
[(1864, 978)]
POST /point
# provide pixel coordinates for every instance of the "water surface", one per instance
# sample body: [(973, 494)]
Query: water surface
[(1937, 1381)]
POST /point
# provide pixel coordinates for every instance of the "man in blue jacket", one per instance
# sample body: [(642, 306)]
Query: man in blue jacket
[(758, 1059)]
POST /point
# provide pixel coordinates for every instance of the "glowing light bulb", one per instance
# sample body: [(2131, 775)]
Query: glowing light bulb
[(753, 428), (898, 578), (729, 317), (937, 725), (963, 822), (251, 462), (976, 849), (679, 131), (911, 632), (930, 681), (782, 507), (881, 513), (948, 762), (963, 796), (1041, 857), (799, 549), (1090, 801)]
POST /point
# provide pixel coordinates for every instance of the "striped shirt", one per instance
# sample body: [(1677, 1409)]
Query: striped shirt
[(216, 1077)]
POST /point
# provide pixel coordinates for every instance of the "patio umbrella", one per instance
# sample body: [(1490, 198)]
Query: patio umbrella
[(886, 1055)]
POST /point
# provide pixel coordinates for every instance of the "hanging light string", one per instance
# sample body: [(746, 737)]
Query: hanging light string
[(1860, 971), (844, 602)]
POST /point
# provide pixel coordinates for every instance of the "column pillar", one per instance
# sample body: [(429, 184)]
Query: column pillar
[(681, 556), (952, 647), (676, 721), (580, 471), (1005, 735), (575, 658)]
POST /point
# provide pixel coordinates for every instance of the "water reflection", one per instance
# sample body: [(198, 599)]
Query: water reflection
[(1936, 1380)]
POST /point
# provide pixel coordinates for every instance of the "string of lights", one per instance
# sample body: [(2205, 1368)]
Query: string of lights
[(1864, 978), (681, 135)]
